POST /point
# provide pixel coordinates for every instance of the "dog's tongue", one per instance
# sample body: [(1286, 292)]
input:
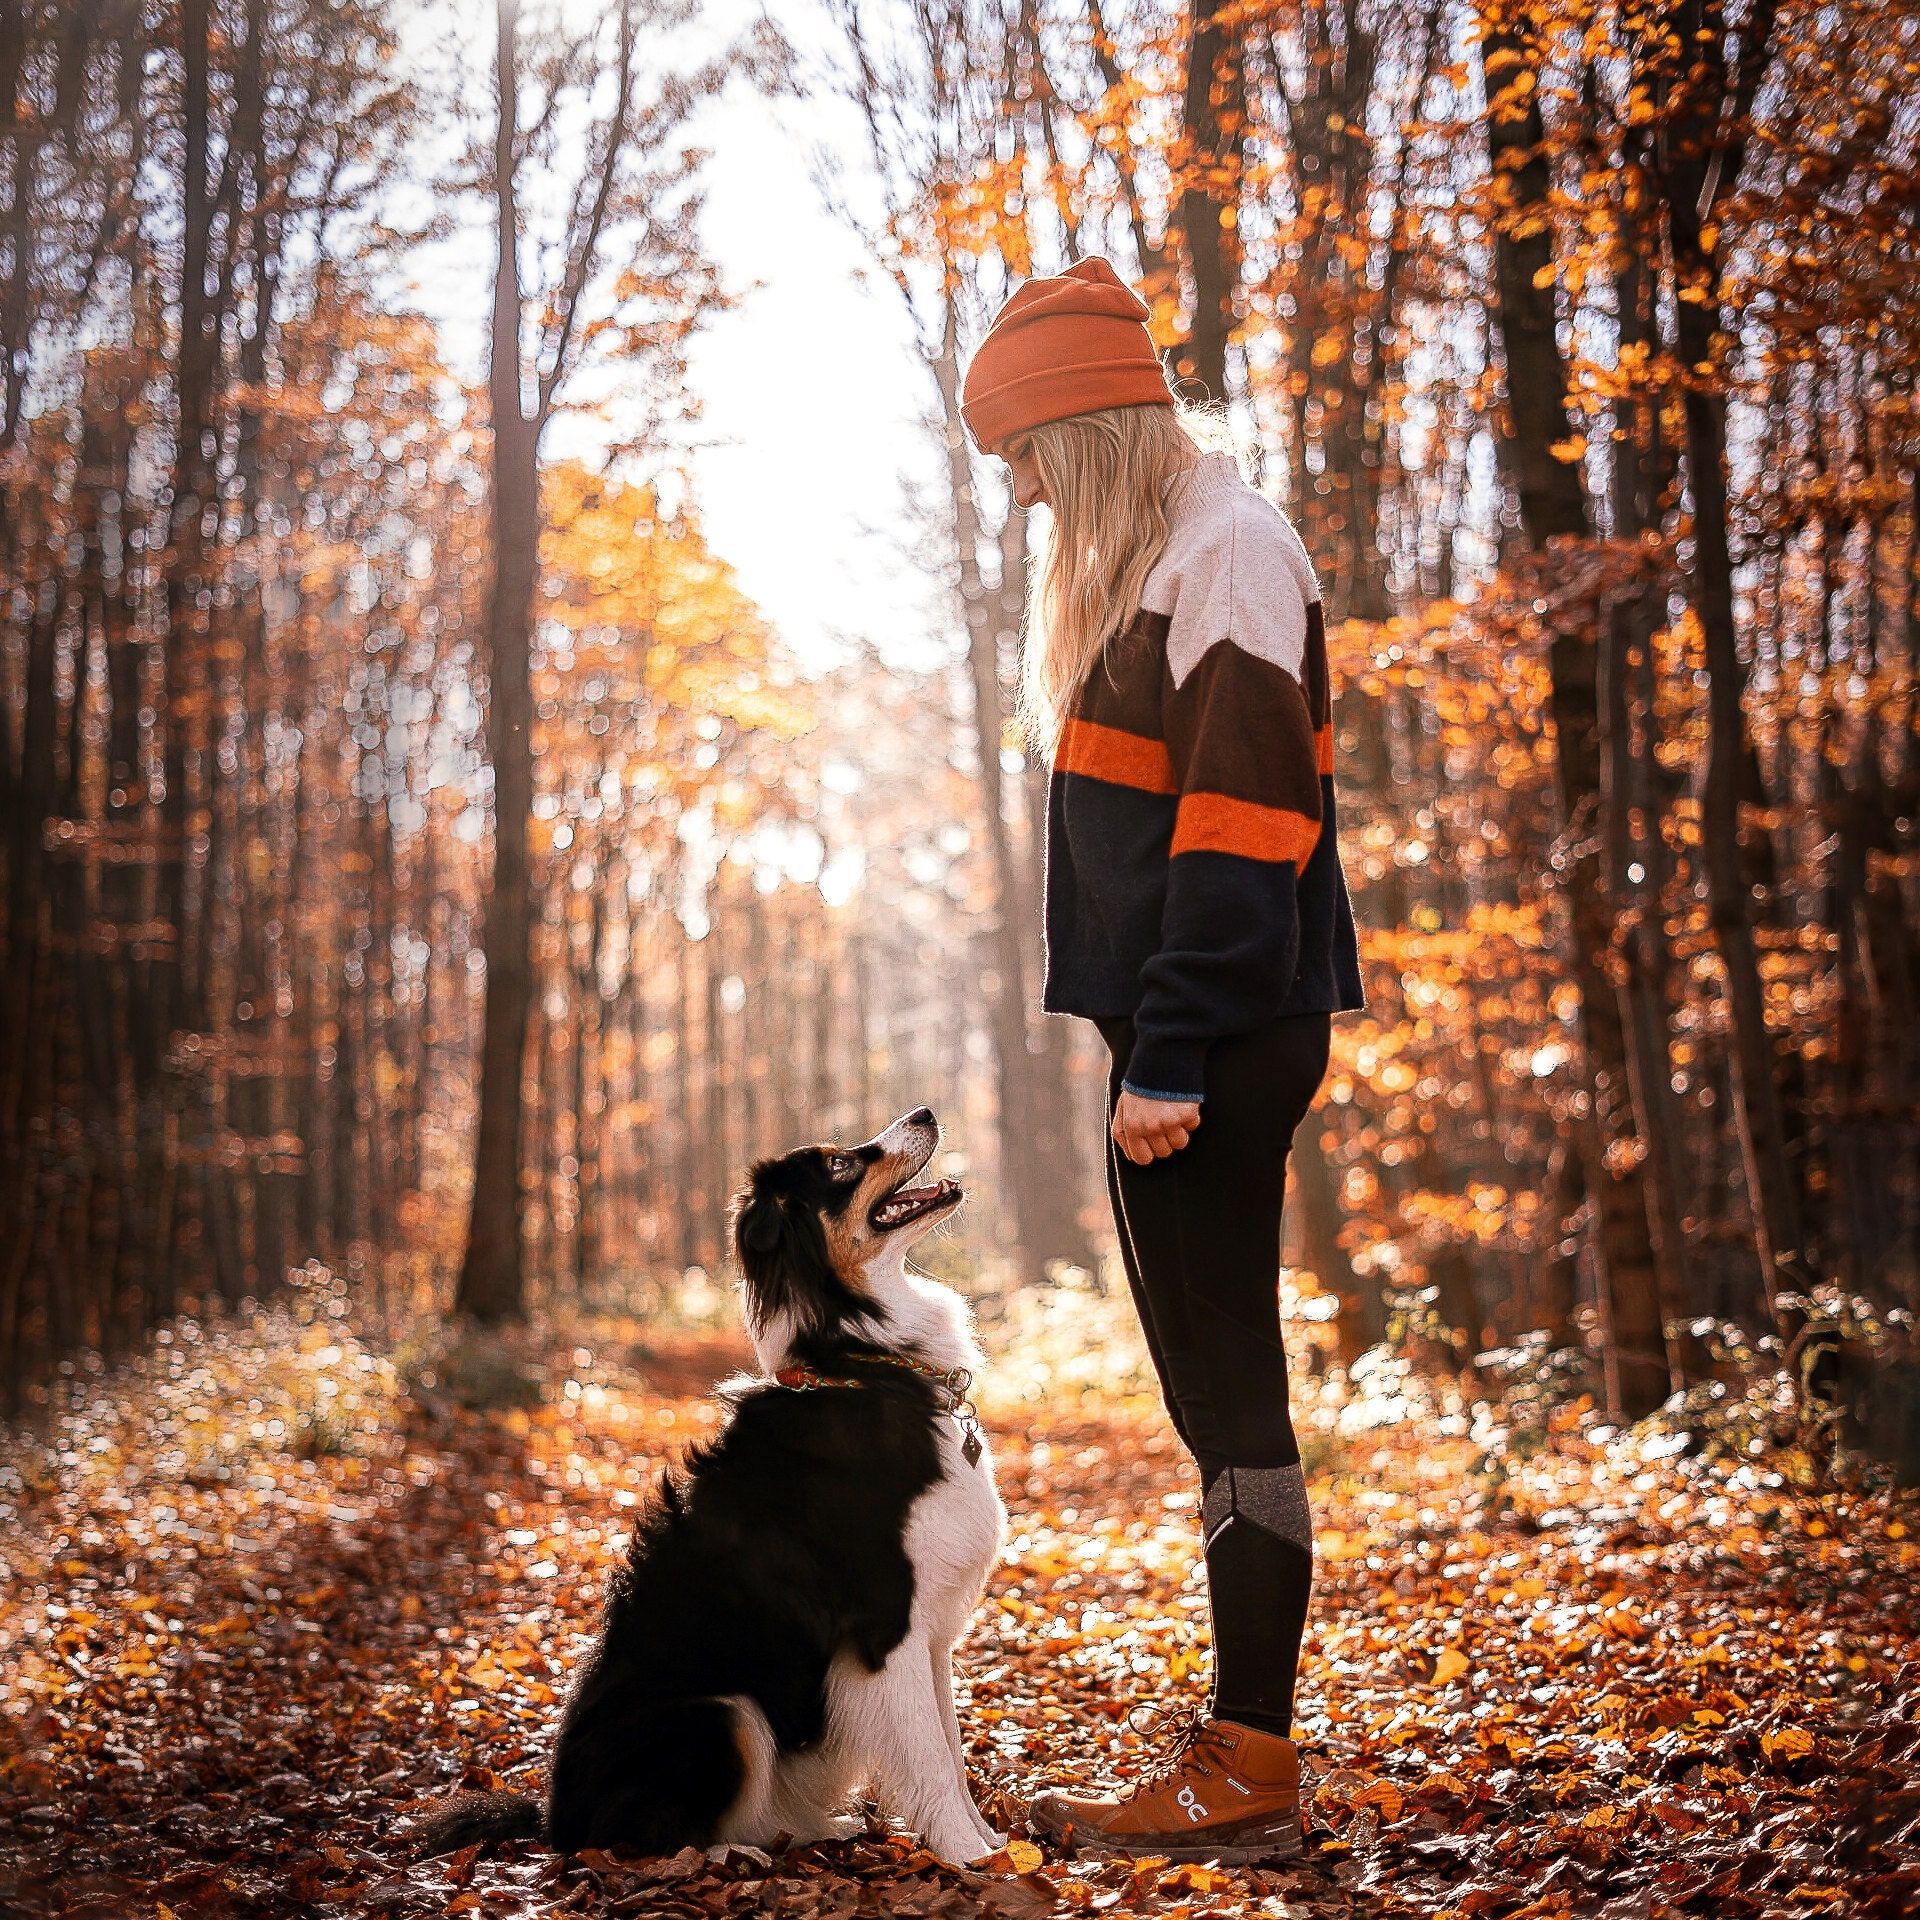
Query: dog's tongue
[(906, 1201)]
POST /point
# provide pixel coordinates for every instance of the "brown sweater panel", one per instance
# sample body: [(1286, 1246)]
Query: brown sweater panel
[(1240, 726), (1241, 741)]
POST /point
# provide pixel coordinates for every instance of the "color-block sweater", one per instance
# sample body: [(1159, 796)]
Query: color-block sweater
[(1193, 871)]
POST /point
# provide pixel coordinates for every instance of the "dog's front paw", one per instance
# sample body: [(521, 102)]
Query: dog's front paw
[(966, 1846)]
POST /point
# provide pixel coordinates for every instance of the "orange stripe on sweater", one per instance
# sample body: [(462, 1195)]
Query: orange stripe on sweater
[(1323, 749), (1217, 823), (1122, 759)]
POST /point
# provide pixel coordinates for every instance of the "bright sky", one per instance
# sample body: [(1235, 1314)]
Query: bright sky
[(811, 390)]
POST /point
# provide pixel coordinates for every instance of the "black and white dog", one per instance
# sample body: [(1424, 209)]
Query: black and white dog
[(781, 1636)]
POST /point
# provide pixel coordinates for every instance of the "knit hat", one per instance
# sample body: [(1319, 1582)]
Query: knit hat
[(1068, 343)]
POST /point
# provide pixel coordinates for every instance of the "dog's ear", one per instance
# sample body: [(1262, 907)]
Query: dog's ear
[(783, 1255), (759, 1225)]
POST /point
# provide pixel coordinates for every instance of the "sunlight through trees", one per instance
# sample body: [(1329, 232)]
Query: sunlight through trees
[(390, 794)]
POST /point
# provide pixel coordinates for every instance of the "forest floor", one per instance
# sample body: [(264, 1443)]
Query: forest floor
[(259, 1600)]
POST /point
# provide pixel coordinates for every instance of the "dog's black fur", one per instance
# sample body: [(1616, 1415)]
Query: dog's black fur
[(776, 1550)]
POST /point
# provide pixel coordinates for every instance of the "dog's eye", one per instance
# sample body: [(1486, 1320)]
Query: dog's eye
[(841, 1164)]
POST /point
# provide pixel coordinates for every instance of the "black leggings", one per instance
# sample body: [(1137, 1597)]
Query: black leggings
[(1200, 1238)]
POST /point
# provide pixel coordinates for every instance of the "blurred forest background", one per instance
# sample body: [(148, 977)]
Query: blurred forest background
[(391, 787)]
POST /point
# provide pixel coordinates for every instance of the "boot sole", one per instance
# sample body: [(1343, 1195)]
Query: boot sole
[(1286, 1844)]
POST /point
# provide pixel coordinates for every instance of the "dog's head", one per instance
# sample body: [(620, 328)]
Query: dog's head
[(818, 1227)]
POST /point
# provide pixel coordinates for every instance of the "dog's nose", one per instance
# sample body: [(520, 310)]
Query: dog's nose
[(921, 1117)]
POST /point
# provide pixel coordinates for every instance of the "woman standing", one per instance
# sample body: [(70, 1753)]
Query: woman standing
[(1176, 670)]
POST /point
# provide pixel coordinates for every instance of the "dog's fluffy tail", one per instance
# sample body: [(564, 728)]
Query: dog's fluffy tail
[(468, 1818), (652, 1775)]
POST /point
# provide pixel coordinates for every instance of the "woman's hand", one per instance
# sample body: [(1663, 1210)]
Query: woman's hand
[(1148, 1130)]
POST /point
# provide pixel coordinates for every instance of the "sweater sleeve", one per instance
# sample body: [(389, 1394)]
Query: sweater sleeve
[(1246, 753)]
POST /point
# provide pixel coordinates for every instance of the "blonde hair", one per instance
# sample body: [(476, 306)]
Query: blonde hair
[(1109, 477)]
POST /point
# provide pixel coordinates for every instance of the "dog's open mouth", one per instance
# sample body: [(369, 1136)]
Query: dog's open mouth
[(909, 1203)]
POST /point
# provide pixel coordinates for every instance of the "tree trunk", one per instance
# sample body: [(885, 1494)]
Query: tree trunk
[(1696, 160), (1553, 506), (1635, 861), (1040, 1173), (179, 985), (1640, 963), (1158, 271), (1055, 1211), (1771, 1187), (1335, 303), (1552, 500), (1316, 1209), (492, 1283), (590, 1104), (1215, 123)]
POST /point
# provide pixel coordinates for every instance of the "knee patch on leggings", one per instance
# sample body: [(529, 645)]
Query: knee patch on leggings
[(1274, 1499)]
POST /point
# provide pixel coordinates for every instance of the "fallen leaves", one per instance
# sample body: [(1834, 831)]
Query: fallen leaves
[(1194, 1879), (221, 1695), (1017, 1856)]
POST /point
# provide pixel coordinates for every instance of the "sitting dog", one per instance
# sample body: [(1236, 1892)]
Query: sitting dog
[(781, 1635)]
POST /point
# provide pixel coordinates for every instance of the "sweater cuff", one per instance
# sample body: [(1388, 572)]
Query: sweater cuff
[(1167, 1069)]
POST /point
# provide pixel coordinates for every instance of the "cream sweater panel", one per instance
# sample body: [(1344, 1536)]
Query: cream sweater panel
[(1232, 569)]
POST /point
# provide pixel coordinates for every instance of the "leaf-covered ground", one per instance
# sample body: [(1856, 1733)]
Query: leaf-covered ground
[(258, 1601)]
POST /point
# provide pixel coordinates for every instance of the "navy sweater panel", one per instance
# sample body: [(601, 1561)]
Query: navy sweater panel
[(1168, 807)]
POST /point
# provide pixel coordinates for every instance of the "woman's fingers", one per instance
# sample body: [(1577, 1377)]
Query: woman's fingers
[(1148, 1130)]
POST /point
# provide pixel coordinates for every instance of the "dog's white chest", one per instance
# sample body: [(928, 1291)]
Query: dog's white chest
[(953, 1536)]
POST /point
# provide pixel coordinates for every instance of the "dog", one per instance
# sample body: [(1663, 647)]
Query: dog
[(781, 1634)]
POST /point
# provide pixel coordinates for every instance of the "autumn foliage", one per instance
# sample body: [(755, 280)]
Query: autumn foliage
[(393, 776)]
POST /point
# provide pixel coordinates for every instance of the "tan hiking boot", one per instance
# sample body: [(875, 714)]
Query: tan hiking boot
[(1224, 1792)]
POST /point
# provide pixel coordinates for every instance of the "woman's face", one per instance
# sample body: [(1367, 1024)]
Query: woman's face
[(1029, 490)]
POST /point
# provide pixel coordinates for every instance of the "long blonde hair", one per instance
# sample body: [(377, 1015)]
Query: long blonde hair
[(1108, 477)]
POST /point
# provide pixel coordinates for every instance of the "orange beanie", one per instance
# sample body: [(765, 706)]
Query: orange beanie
[(1070, 343)]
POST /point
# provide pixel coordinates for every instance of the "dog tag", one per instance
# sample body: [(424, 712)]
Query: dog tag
[(970, 1447)]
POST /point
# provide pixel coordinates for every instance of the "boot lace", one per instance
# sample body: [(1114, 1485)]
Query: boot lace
[(1180, 1726)]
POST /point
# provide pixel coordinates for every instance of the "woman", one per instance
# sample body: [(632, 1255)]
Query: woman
[(1176, 671)]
